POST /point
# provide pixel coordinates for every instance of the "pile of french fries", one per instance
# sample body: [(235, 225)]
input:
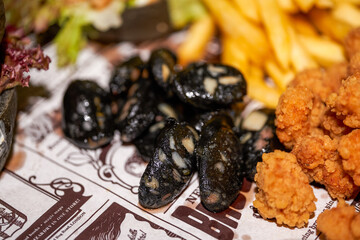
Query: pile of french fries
[(273, 39)]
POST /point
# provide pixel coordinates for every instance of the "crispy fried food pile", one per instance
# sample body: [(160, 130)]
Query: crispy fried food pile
[(318, 121), (320, 160), (318, 118), (345, 104), (349, 149), (342, 222), (284, 190)]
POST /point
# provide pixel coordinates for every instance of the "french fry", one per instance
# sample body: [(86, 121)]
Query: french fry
[(231, 22), (348, 13), (258, 90), (356, 2), (295, 35), (237, 54), (328, 25), (288, 6), (324, 51), (305, 5), (279, 76), (299, 57), (198, 36), (323, 4), (233, 54), (302, 25), (248, 9), (248, 51), (276, 29)]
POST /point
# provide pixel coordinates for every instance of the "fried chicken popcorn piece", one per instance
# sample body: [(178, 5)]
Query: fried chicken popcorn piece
[(334, 76), (354, 64), (312, 79), (352, 42), (334, 127), (342, 222), (346, 103), (317, 114), (312, 152), (318, 79), (319, 159), (349, 150), (284, 192), (293, 115)]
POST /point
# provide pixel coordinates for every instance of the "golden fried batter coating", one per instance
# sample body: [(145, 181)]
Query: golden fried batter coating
[(333, 126), (342, 222), (284, 192), (334, 76), (346, 103), (293, 115), (319, 159), (354, 64), (349, 149), (312, 79), (317, 114), (352, 42)]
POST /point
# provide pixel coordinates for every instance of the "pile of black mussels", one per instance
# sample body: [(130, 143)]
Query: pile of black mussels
[(180, 120)]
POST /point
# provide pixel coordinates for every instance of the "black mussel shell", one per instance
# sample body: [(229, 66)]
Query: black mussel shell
[(145, 144), (125, 74), (210, 86), (138, 112), (171, 167), (258, 136), (8, 110), (162, 64), (219, 157), (87, 119)]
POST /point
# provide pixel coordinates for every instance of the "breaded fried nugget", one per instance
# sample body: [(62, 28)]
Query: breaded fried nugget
[(293, 115), (284, 192), (352, 42), (319, 159), (342, 222), (312, 79), (334, 76), (317, 115), (349, 149), (354, 64), (333, 126), (347, 101)]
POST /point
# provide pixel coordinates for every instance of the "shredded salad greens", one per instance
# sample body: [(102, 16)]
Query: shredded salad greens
[(72, 16), (75, 17)]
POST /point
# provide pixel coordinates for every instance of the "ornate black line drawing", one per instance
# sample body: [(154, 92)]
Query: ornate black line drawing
[(11, 220), (69, 198), (110, 164), (115, 219), (60, 185)]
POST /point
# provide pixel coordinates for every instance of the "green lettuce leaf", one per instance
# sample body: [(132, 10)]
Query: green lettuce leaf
[(70, 40), (182, 12)]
